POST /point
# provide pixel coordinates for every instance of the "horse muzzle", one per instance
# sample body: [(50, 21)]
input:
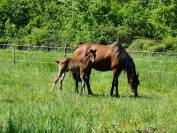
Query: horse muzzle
[(93, 62)]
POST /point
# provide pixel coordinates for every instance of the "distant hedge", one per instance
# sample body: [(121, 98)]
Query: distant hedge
[(59, 22)]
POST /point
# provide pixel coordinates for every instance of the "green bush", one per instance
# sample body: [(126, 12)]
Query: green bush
[(168, 43), (37, 36), (10, 30), (142, 44), (72, 22), (124, 36), (104, 34)]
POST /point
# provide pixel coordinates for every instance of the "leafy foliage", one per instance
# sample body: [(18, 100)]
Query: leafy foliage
[(78, 21)]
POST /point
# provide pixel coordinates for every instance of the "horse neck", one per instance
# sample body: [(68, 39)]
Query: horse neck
[(85, 60), (130, 67)]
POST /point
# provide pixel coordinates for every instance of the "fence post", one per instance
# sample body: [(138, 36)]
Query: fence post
[(65, 49), (14, 55)]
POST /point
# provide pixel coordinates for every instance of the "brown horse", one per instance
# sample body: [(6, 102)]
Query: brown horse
[(78, 66), (111, 57)]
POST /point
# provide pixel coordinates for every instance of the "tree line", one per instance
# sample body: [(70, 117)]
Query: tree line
[(137, 24)]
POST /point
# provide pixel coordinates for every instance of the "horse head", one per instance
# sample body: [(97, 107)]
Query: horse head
[(91, 55), (134, 82)]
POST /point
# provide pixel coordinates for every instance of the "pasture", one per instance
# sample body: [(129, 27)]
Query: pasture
[(27, 103)]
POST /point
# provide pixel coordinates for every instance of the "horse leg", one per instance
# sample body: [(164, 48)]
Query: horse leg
[(61, 80), (55, 82), (116, 85), (135, 93), (115, 82), (112, 88), (76, 79), (88, 82), (88, 87), (76, 87), (83, 85)]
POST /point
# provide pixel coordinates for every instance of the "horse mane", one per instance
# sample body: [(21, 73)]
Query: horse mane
[(129, 65), (125, 58)]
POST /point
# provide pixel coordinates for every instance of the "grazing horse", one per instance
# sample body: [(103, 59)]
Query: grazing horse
[(111, 57), (78, 66)]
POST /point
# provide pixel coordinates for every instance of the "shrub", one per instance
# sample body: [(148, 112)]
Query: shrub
[(10, 29), (168, 43), (142, 44), (124, 36), (37, 36), (104, 34)]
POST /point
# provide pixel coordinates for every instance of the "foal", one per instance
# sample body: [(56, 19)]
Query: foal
[(78, 66)]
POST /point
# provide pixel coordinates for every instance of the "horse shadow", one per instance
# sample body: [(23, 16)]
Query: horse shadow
[(100, 96), (147, 97)]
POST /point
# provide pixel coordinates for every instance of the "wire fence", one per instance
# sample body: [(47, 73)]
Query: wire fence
[(29, 50), (155, 53), (63, 48)]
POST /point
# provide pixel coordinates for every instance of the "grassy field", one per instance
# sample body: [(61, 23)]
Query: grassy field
[(28, 104)]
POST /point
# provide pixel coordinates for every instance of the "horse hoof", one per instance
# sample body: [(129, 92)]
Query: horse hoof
[(90, 94), (117, 96), (76, 94), (111, 94), (136, 95)]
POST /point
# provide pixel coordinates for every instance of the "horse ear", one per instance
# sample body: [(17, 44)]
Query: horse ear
[(57, 61), (91, 50)]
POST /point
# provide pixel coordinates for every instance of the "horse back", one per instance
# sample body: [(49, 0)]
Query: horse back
[(106, 58)]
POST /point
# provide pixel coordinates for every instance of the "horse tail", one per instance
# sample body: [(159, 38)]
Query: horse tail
[(57, 61)]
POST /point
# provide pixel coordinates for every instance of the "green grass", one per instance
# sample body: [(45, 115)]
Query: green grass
[(28, 104)]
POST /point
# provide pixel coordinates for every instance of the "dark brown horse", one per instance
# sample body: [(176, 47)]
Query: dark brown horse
[(78, 66), (110, 57)]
